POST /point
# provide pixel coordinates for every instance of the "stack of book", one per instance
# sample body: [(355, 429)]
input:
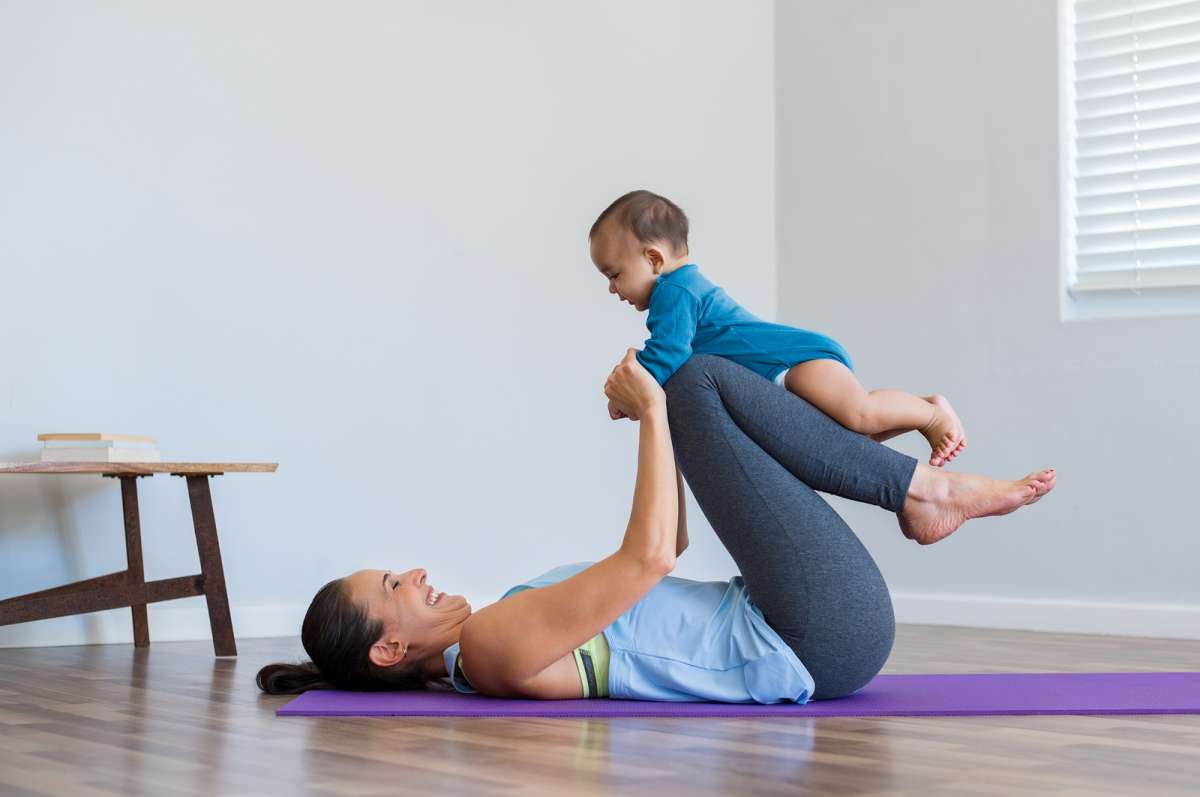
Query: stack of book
[(97, 447)]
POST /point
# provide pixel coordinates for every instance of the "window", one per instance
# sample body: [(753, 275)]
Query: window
[(1131, 157)]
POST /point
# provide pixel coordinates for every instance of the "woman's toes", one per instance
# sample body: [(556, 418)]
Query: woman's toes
[(1044, 481), (1039, 485)]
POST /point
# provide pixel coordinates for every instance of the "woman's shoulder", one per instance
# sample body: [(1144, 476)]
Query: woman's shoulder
[(483, 643), (510, 642), (482, 657)]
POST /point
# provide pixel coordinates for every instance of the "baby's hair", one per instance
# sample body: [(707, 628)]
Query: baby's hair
[(650, 217)]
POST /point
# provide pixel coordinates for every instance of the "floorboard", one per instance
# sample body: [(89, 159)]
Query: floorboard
[(172, 720)]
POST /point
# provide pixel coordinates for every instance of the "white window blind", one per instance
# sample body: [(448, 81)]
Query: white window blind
[(1134, 144)]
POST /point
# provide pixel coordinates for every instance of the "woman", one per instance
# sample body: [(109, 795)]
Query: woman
[(808, 618)]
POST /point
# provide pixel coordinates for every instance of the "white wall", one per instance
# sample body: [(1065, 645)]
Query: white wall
[(918, 223), (351, 237)]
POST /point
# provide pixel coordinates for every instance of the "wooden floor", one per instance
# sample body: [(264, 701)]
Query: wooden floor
[(109, 720)]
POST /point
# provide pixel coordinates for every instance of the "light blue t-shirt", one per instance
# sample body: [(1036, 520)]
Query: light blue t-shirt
[(689, 314), (689, 641)]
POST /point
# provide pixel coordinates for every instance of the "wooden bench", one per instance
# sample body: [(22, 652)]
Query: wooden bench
[(128, 587)]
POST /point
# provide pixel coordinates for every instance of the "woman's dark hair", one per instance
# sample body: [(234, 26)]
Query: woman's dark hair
[(650, 217), (337, 635)]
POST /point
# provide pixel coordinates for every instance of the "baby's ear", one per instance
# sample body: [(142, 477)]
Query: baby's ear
[(656, 259)]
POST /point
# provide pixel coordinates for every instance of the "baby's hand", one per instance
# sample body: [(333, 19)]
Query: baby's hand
[(615, 413)]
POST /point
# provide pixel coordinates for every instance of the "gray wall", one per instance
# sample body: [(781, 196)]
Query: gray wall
[(353, 240), (351, 237), (918, 209)]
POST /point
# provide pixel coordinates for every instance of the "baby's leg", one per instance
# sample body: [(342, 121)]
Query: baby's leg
[(879, 437), (832, 388)]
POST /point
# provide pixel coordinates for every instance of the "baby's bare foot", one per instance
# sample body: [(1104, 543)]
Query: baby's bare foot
[(945, 433), (954, 498)]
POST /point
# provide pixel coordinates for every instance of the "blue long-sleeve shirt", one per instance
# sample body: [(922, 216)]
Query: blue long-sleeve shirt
[(688, 314)]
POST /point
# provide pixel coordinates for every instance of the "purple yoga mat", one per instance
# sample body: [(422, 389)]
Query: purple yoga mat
[(885, 696)]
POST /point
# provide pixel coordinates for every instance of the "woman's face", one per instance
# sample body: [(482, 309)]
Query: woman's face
[(401, 601)]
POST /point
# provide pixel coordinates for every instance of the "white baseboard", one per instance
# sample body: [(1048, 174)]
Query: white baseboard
[(1159, 620), (179, 623), (167, 624)]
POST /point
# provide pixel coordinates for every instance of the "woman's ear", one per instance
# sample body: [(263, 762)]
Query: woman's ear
[(387, 652)]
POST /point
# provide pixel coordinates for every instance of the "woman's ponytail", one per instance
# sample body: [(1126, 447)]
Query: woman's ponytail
[(290, 679)]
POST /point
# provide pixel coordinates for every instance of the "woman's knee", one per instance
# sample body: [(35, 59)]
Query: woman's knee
[(703, 374), (692, 390), (696, 371)]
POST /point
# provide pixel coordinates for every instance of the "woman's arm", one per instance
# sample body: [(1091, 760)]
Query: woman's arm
[(507, 644), (681, 537), (654, 519)]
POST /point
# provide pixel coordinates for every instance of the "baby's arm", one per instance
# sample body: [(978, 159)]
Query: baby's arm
[(674, 314)]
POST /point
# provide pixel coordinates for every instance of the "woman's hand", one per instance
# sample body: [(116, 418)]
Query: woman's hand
[(632, 390)]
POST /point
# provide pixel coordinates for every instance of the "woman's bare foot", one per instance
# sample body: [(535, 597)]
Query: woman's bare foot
[(945, 433), (939, 502)]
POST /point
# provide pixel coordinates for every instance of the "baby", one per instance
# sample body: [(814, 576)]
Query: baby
[(639, 244)]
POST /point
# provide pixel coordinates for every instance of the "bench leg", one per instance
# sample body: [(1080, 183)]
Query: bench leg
[(210, 565), (133, 555)]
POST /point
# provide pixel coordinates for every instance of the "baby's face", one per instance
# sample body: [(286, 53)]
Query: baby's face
[(622, 259)]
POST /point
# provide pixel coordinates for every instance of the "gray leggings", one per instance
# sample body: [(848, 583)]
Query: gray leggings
[(754, 454)]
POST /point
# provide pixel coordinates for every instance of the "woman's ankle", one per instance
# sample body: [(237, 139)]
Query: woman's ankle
[(925, 482)]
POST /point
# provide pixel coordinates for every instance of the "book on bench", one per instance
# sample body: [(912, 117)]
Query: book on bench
[(98, 447)]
